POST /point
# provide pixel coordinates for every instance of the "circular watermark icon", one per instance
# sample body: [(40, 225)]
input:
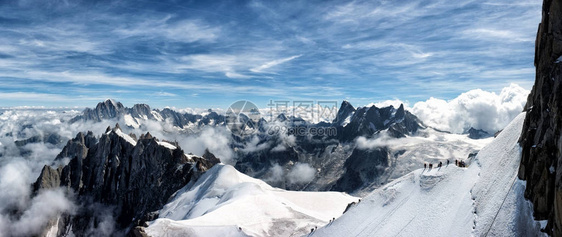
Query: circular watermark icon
[(242, 118)]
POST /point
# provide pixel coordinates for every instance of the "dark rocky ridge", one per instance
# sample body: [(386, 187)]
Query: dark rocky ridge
[(368, 121), (477, 133), (133, 180), (326, 153), (52, 139), (110, 109), (362, 168), (344, 166), (540, 137), (104, 110)]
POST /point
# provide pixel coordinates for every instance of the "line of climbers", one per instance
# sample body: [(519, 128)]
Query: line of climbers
[(459, 163)]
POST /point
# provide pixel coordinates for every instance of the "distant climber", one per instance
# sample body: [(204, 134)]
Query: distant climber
[(424, 165), (447, 162), (440, 164), (430, 165), (456, 162)]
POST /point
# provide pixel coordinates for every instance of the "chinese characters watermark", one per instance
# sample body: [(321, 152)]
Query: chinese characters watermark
[(298, 118)]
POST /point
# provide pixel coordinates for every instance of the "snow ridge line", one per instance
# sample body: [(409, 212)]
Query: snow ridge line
[(498, 212)]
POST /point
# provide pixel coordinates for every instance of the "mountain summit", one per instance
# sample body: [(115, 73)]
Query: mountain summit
[(135, 177)]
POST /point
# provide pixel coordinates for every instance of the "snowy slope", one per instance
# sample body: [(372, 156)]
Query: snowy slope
[(450, 201), (223, 200), (409, 153), (430, 146)]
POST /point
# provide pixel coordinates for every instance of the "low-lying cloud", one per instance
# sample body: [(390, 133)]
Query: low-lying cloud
[(20, 166), (301, 173), (479, 109), (45, 207), (476, 108), (217, 140), (277, 173)]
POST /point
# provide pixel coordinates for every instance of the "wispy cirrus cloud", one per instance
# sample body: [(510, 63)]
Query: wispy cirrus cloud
[(187, 31), (273, 63), (366, 50)]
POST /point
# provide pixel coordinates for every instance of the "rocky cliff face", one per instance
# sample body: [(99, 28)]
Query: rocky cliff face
[(477, 133), (133, 177), (104, 110), (363, 167), (540, 138), (288, 144), (341, 166), (368, 121)]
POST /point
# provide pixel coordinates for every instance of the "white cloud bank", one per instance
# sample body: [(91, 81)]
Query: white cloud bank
[(476, 108), (301, 173)]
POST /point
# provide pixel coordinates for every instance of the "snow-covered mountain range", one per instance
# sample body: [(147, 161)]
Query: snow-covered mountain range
[(377, 153), (365, 150)]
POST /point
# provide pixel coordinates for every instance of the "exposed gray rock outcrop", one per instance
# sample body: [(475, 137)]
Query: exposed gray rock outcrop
[(368, 121), (540, 138), (474, 133), (362, 168), (132, 178), (104, 110)]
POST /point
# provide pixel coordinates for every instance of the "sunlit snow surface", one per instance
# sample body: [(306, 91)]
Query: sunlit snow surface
[(225, 202), (130, 121), (167, 145), (428, 146), (483, 199)]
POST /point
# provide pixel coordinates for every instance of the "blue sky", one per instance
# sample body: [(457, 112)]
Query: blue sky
[(203, 54)]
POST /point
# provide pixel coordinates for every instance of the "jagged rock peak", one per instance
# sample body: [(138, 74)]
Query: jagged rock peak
[(110, 107), (135, 179), (146, 136), (208, 160), (111, 102), (345, 110), (345, 105), (474, 133), (211, 157), (141, 107), (117, 127), (133, 136), (400, 112)]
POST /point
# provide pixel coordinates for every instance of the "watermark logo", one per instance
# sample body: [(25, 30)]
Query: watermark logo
[(302, 117), (307, 110), (242, 118), (298, 118)]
